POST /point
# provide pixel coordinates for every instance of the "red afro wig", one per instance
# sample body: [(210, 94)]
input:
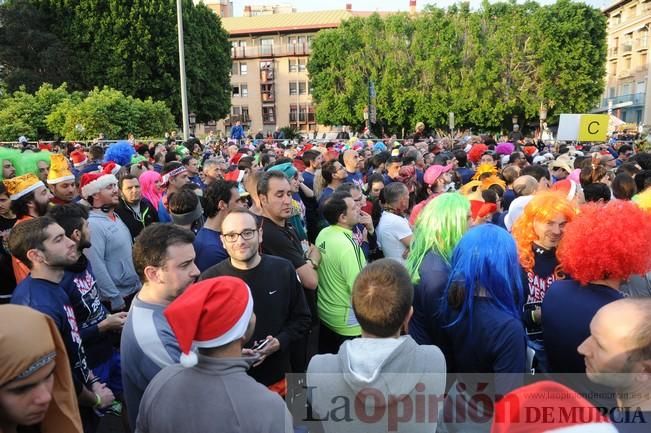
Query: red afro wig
[(543, 206), (475, 153), (594, 248)]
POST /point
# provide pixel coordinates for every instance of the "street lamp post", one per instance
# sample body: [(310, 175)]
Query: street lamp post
[(184, 89), (192, 118)]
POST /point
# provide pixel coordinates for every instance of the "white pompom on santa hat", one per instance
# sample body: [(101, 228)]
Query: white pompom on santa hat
[(93, 182), (211, 313)]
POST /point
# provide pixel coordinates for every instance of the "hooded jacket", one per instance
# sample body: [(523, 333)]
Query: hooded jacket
[(381, 376)]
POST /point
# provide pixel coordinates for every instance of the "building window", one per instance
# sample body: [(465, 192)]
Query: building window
[(301, 65), (310, 89), (235, 68), (613, 68), (266, 71), (245, 114), (293, 88), (236, 110), (643, 59), (244, 68), (293, 65), (292, 113), (267, 47), (268, 115), (236, 91), (244, 90), (267, 92), (302, 88), (627, 64)]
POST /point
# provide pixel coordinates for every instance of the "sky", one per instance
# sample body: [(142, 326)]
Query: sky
[(372, 5)]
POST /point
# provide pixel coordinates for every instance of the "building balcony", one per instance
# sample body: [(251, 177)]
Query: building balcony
[(642, 43), (627, 47), (234, 118), (632, 100), (270, 51), (612, 52)]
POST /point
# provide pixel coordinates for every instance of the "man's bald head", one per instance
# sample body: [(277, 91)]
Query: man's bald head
[(525, 185), (350, 160), (619, 346)]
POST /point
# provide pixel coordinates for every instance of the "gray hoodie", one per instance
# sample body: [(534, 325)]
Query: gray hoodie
[(111, 259), (371, 386)]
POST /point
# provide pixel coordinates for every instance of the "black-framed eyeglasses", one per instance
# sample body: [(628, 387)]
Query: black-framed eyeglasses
[(247, 235)]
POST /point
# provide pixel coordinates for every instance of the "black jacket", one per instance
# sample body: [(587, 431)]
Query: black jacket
[(135, 224)]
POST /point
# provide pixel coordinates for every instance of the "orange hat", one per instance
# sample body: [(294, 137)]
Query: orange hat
[(59, 170), (22, 185)]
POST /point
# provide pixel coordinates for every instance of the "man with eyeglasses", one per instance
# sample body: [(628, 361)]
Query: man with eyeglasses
[(283, 316)]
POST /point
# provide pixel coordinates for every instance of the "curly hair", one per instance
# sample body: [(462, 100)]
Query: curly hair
[(543, 207), (593, 248), (476, 152)]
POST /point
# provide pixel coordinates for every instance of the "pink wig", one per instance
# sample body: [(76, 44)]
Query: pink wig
[(148, 187)]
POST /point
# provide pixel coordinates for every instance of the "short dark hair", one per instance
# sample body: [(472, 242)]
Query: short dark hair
[(334, 206), (643, 159), (392, 192), (186, 159), (624, 186), (629, 168), (461, 156), (29, 235), (150, 248), (3, 189), (265, 158), (170, 166), (596, 191), (309, 156), (263, 184), (70, 216), (643, 180), (183, 201), (624, 148), (21, 206), (394, 159), (328, 170), (347, 187), (127, 176), (382, 297), (242, 211), (220, 190), (96, 153), (537, 171)]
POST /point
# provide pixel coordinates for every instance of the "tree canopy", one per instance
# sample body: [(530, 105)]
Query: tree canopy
[(54, 112), (484, 66), (128, 45)]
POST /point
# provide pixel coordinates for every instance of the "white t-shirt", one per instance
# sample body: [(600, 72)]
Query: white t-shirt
[(390, 230)]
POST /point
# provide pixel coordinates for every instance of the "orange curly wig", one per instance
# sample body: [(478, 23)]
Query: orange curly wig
[(594, 247), (543, 207)]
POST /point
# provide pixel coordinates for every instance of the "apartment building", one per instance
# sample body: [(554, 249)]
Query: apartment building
[(627, 66), (223, 8), (270, 53)]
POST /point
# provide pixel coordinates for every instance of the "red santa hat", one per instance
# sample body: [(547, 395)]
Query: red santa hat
[(520, 410), (567, 187), (111, 168), (211, 313), (94, 182), (78, 158)]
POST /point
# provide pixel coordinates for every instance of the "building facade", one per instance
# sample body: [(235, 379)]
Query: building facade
[(627, 66)]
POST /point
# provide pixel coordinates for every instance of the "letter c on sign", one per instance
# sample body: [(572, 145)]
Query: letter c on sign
[(590, 131)]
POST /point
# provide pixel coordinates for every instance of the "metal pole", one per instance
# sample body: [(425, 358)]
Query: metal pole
[(184, 89)]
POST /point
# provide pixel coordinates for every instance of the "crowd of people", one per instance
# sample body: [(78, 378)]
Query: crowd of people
[(445, 285)]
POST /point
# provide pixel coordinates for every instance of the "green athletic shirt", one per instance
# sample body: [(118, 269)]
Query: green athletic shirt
[(341, 260)]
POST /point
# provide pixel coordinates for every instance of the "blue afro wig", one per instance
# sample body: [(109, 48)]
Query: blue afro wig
[(120, 153)]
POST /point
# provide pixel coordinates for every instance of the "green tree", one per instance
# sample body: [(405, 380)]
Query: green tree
[(23, 113), (131, 45), (31, 54), (486, 65), (111, 112)]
